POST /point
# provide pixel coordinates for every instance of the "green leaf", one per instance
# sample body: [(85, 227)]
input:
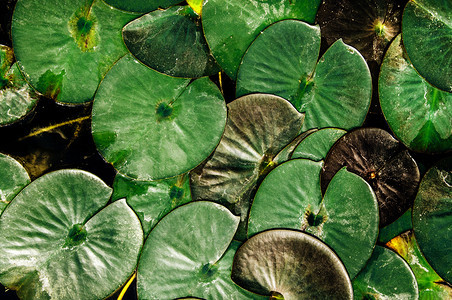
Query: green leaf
[(230, 26), (57, 244), (419, 114), (65, 47), (427, 36), (172, 42), (152, 200), (141, 6), (151, 126), (385, 276), (316, 145), (335, 92), (13, 178), (346, 219), (286, 264), (397, 227)]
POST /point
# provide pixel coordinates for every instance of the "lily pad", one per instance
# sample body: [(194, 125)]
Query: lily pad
[(316, 145), (432, 218), (196, 5), (172, 42), (385, 276), (431, 286), (151, 126), (13, 178), (288, 264), (419, 114), (152, 200), (65, 47), (230, 26), (383, 162), (346, 218), (333, 92), (427, 36), (141, 6), (369, 25), (59, 242), (258, 128), (197, 256), (397, 227), (17, 98)]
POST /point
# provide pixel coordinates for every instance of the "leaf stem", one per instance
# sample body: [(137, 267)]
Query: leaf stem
[(51, 127), (124, 290)]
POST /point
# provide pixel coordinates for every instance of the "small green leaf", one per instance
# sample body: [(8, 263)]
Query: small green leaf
[(316, 145), (13, 178)]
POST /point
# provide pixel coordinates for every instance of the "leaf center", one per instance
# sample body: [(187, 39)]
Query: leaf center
[(208, 271), (163, 111), (77, 235)]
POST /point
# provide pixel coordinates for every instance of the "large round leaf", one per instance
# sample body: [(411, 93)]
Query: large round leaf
[(17, 98), (382, 161), (386, 276), (186, 254), (290, 264), (258, 128), (316, 145), (432, 218), (142, 6), (419, 114), (346, 219), (65, 47), (152, 200), (152, 126), (335, 92), (427, 36), (230, 26), (172, 42), (368, 25), (57, 244), (13, 178)]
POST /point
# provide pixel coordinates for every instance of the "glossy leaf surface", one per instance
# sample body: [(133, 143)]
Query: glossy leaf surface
[(316, 145), (230, 26), (397, 227), (346, 219), (419, 114), (66, 47), (59, 242), (13, 178), (292, 264), (165, 128), (335, 92), (141, 6), (382, 161), (172, 42)]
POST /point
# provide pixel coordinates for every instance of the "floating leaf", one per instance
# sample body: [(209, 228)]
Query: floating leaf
[(419, 114), (286, 264), (346, 219), (333, 92), (152, 200), (427, 36), (230, 26), (432, 218), (385, 276), (13, 178), (172, 42), (382, 161), (57, 244), (141, 6), (316, 145), (397, 227), (65, 47), (151, 126)]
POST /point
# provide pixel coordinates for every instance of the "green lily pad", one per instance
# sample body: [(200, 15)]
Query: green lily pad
[(419, 114), (385, 276), (288, 264), (346, 218), (152, 200), (258, 128), (151, 126), (65, 47), (13, 178), (59, 242), (397, 227), (17, 98), (383, 162), (230, 26), (197, 256), (427, 36), (172, 42), (316, 145), (141, 6), (432, 218), (431, 286), (369, 25), (333, 92)]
